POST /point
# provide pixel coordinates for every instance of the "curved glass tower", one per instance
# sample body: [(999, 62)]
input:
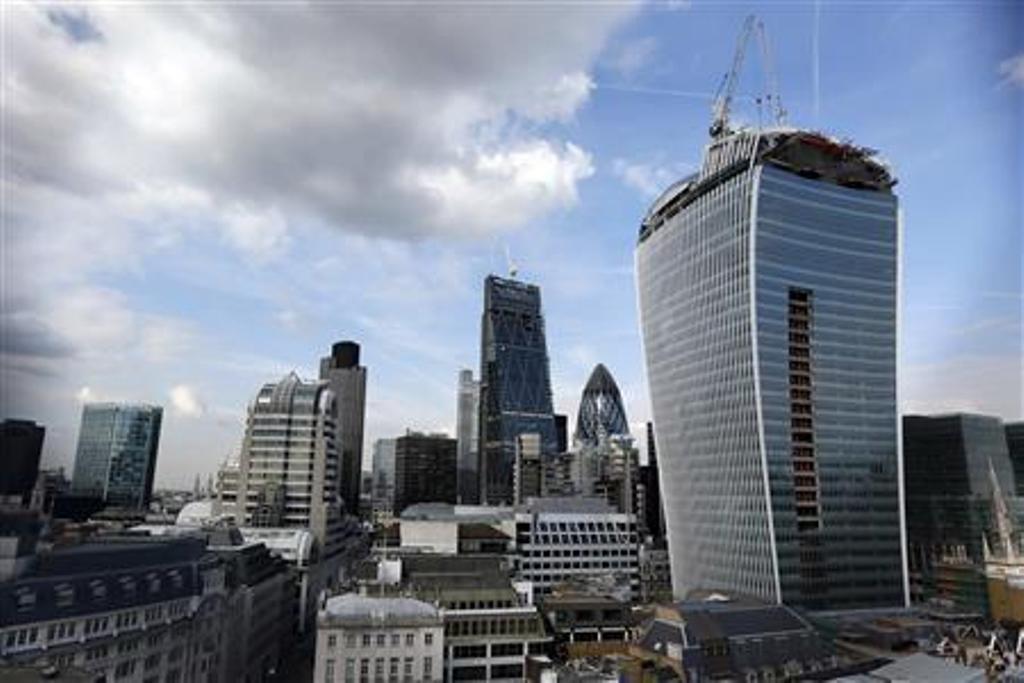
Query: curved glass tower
[(601, 411), (768, 298)]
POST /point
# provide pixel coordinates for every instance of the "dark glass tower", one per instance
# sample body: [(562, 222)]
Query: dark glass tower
[(601, 412), (955, 466), (515, 387), (21, 444), (426, 470), (347, 379), (1015, 444), (768, 289)]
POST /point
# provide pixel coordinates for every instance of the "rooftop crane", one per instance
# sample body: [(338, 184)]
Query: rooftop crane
[(723, 98)]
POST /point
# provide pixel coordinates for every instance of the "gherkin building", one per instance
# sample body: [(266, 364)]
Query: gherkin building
[(601, 410)]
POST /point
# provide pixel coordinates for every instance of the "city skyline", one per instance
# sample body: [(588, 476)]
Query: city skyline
[(188, 282)]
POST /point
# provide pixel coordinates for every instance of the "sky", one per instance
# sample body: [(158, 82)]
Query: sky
[(200, 198)]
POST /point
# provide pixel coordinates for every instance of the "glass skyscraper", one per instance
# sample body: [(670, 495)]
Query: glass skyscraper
[(768, 288), (601, 412), (515, 386), (116, 455), (467, 431)]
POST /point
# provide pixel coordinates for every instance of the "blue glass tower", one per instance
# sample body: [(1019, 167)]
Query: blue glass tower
[(768, 288), (116, 456), (515, 385)]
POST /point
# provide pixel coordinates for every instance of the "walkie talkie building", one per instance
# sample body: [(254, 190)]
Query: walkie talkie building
[(515, 385), (768, 288)]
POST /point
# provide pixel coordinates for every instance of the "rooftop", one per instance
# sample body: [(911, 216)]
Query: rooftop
[(922, 667), (359, 608)]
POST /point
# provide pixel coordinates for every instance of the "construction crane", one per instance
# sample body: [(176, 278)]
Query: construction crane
[(723, 98)]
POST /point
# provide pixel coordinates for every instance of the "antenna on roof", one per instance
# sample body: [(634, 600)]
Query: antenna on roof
[(513, 269)]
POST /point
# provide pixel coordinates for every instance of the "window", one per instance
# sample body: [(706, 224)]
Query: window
[(408, 667), (378, 668), (428, 638), (428, 668), (350, 669), (381, 640), (396, 640), (350, 640), (332, 641), (366, 640), (329, 671), (364, 667), (410, 639), (393, 667)]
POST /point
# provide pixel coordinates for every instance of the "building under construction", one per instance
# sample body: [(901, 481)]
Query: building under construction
[(768, 288)]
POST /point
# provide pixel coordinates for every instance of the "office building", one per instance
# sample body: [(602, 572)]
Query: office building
[(768, 288), (383, 488), (116, 456), (515, 386), (124, 609), (379, 638), (957, 469), (601, 412), (649, 498), (426, 469), (491, 623), (21, 445), (560, 540), (347, 380), (1015, 446), (561, 433), (288, 473), (467, 431), (528, 478)]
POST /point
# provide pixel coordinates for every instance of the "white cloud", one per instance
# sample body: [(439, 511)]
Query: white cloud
[(1012, 70), (185, 401), (85, 395), (259, 234), (502, 188), (650, 179)]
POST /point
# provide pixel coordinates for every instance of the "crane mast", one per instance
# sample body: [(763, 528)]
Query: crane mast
[(727, 90)]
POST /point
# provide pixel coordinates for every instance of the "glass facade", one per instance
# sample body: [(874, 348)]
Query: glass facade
[(601, 412), (951, 464), (515, 386), (116, 455), (768, 312)]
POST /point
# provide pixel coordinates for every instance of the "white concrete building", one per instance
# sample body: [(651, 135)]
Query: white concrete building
[(362, 638)]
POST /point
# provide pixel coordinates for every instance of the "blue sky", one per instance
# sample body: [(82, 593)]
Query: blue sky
[(195, 206)]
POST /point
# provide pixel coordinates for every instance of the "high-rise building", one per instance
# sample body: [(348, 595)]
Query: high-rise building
[(601, 412), (768, 289), (384, 476), (651, 509), (1015, 446), (21, 445), (956, 466), (116, 456), (467, 431), (347, 379), (425, 469), (561, 433), (515, 385), (288, 472)]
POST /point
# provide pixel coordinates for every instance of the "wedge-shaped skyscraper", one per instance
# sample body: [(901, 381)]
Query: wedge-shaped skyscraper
[(768, 287), (515, 385)]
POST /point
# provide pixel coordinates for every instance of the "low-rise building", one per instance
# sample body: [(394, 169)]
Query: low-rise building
[(137, 610), (362, 638), (716, 636), (491, 623)]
